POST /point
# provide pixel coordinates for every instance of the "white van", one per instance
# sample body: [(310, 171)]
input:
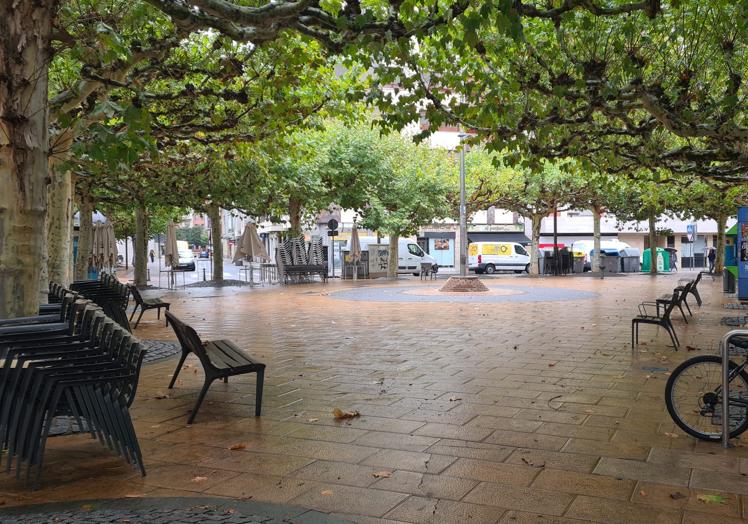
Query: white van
[(490, 257), (409, 253)]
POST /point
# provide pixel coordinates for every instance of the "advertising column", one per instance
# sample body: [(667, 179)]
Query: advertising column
[(743, 253)]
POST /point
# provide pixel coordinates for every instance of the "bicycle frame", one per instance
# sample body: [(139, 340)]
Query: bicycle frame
[(724, 347)]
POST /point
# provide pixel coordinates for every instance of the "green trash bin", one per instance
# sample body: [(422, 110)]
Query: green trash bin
[(663, 260)]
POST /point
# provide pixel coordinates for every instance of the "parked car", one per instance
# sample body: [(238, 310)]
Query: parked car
[(490, 257), (203, 254), (186, 258)]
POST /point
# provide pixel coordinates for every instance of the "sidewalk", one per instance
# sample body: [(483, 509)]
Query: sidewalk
[(514, 411)]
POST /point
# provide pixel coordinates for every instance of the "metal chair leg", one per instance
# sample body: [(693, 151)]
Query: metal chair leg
[(206, 386), (139, 317), (258, 392), (179, 368), (683, 314)]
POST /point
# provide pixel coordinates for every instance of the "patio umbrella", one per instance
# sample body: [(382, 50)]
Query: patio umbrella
[(250, 245), (171, 251), (104, 245), (355, 250), (239, 252)]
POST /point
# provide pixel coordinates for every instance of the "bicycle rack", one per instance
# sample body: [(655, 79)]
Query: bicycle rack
[(724, 348)]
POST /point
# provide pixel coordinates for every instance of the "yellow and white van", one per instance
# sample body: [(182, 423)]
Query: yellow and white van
[(490, 257)]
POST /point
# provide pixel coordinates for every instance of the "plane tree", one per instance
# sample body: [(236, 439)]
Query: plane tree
[(534, 192), (34, 35)]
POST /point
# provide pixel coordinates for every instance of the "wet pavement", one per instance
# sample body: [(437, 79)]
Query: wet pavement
[(470, 411)]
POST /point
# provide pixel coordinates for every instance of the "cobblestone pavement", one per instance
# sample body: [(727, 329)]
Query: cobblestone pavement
[(159, 350), (165, 511), (470, 412)]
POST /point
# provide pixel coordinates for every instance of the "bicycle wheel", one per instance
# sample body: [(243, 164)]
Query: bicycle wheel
[(693, 401)]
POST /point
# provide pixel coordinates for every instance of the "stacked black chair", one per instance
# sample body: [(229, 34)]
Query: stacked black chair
[(86, 368), (109, 293)]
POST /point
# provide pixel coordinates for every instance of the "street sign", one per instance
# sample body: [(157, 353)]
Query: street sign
[(332, 225), (332, 233), (691, 232)]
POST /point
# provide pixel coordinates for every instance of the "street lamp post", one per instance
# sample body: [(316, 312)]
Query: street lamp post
[(463, 211)]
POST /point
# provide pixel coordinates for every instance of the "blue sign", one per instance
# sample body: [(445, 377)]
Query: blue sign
[(691, 232), (742, 251)]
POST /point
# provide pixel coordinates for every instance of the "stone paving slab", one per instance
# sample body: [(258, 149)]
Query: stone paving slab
[(470, 412)]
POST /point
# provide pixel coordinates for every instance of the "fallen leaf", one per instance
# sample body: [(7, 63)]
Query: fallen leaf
[(237, 447), (588, 411), (671, 435), (326, 493), (382, 474), (712, 499), (642, 493), (454, 398), (339, 414), (199, 479), (87, 507), (551, 364), (677, 495), (161, 397)]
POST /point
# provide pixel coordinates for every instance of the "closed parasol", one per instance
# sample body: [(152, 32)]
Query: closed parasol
[(171, 251), (250, 245), (103, 245), (355, 250)]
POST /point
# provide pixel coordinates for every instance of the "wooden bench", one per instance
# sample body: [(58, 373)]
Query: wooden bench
[(219, 358), (145, 304)]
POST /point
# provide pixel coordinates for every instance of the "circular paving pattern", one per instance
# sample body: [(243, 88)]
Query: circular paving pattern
[(165, 511), (496, 293), (159, 350)]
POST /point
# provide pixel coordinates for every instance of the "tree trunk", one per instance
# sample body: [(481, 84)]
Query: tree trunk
[(534, 249), (140, 247), (59, 227), (595, 262), (214, 213), (719, 261), (394, 257), (294, 216), (652, 243), (85, 237), (25, 53)]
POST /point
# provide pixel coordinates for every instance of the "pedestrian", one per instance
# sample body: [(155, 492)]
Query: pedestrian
[(712, 257), (673, 261), (152, 255)]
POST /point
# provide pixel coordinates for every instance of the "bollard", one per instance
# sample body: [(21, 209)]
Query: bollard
[(203, 274)]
